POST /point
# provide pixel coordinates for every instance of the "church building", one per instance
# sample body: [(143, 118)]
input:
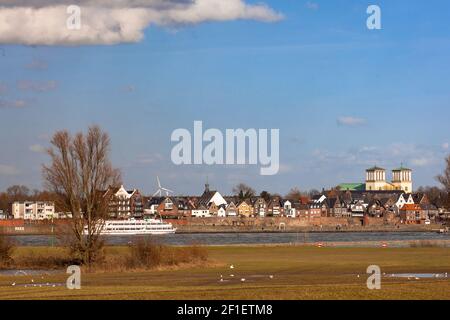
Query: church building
[(376, 181)]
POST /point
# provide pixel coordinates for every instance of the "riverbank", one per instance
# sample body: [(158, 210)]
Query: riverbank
[(259, 272), (48, 229), (178, 239)]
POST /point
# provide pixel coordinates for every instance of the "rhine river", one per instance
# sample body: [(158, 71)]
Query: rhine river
[(253, 238)]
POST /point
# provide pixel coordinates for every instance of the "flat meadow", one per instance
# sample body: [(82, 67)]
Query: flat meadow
[(241, 272)]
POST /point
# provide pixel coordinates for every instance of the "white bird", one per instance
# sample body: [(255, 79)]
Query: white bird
[(271, 276), (358, 276), (13, 284), (32, 281), (417, 278), (221, 280), (231, 267), (53, 286), (232, 275), (243, 280)]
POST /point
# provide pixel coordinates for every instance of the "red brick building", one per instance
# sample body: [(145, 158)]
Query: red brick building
[(412, 214)]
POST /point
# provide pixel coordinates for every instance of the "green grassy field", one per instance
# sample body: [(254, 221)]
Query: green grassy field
[(298, 273)]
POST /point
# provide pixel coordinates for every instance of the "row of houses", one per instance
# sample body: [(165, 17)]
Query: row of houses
[(409, 208), (125, 203)]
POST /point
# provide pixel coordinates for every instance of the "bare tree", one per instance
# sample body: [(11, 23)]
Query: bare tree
[(294, 194), (18, 193), (444, 179), (265, 195), (243, 191), (80, 168)]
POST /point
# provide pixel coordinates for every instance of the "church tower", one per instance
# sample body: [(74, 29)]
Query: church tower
[(402, 179), (375, 179)]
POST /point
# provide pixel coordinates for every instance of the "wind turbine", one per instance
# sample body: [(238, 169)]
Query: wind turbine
[(160, 190)]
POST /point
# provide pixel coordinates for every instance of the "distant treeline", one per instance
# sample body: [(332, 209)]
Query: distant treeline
[(22, 193)]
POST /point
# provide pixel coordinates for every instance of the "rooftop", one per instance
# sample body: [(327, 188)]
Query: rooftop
[(376, 168)]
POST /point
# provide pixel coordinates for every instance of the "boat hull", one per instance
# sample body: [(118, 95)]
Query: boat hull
[(136, 233), (135, 227)]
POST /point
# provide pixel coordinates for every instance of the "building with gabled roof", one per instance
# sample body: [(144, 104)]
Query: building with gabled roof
[(211, 196), (123, 203)]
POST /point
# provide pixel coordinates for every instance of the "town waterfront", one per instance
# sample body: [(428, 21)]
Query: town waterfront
[(370, 238)]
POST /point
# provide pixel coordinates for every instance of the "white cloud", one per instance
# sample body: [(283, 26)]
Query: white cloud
[(312, 5), (445, 146), (7, 170), (391, 155), (350, 121), (156, 157), (37, 148), (14, 104), (37, 86), (112, 22), (422, 162)]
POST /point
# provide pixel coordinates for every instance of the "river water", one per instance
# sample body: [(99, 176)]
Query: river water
[(252, 238)]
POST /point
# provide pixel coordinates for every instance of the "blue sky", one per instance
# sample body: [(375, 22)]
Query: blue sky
[(344, 97)]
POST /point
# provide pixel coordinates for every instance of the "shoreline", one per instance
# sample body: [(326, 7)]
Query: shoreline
[(250, 232), (292, 231), (388, 244)]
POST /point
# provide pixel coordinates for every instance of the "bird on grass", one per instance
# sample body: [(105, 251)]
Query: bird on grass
[(13, 284), (271, 276), (243, 280), (232, 267), (232, 275)]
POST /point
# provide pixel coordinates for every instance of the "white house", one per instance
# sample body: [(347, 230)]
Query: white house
[(33, 210), (289, 210), (201, 212), (222, 212), (404, 198), (211, 196)]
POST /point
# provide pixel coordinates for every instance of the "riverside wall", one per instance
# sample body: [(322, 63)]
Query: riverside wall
[(238, 224)]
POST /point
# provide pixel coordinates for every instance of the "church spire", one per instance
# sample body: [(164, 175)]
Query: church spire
[(207, 185)]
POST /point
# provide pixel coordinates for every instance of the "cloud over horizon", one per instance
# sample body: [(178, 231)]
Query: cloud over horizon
[(43, 22), (19, 103), (37, 86), (350, 121), (7, 170)]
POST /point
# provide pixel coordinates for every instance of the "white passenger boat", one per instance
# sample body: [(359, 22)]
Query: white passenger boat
[(135, 227)]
